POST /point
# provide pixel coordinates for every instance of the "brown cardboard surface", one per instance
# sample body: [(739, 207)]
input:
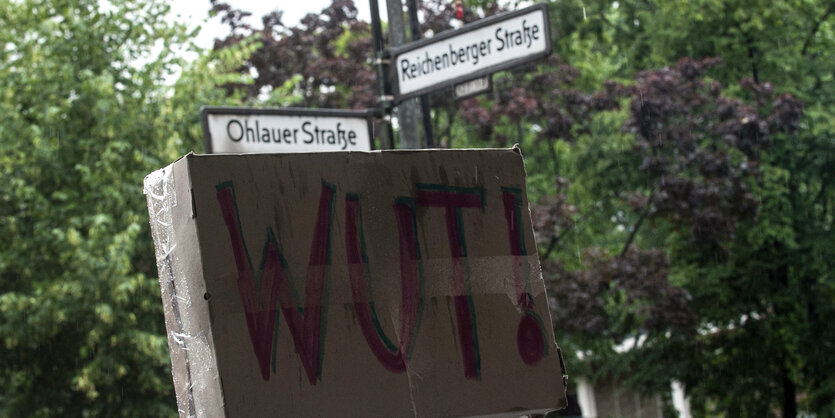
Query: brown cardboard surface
[(388, 283)]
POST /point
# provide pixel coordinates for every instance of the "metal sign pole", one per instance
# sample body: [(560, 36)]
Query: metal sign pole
[(407, 110), (424, 99), (384, 98)]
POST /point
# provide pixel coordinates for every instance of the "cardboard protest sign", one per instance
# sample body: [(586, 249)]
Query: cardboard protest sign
[(389, 283)]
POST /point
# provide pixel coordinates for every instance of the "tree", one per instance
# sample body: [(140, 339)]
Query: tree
[(82, 330), (324, 58), (718, 308), (763, 288)]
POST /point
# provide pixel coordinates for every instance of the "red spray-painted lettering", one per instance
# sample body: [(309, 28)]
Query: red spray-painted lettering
[(530, 336), (305, 322), (264, 291), (453, 199), (392, 357)]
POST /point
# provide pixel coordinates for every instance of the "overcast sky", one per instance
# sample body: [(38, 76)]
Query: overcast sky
[(196, 12)]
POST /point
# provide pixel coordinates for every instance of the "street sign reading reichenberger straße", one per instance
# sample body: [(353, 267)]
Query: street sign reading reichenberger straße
[(484, 47)]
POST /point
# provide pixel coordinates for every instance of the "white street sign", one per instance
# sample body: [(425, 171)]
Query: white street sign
[(482, 48), (245, 130)]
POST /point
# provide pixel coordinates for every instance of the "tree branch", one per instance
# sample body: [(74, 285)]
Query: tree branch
[(815, 29), (637, 226), (752, 54), (551, 245), (556, 239), (552, 150)]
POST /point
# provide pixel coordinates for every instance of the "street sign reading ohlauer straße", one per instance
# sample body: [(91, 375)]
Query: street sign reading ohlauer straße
[(484, 47), (245, 130)]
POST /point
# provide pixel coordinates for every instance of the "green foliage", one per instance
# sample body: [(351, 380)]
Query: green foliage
[(82, 331), (764, 292)]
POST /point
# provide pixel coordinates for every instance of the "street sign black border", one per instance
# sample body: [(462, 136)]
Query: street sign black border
[(403, 49), (474, 94), (205, 111)]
